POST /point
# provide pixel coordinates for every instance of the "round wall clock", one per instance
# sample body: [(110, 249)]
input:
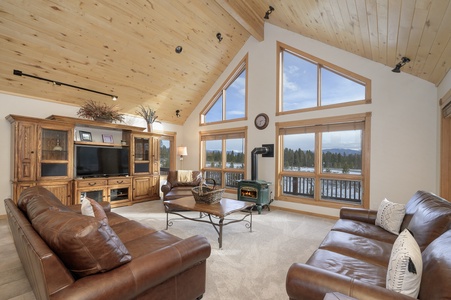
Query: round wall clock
[(261, 121)]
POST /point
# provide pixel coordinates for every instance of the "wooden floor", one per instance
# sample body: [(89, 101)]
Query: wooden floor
[(13, 281)]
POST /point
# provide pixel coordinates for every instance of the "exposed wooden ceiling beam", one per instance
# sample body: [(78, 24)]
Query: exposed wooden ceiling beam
[(246, 16)]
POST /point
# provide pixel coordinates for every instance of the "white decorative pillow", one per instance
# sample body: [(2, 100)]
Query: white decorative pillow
[(184, 175), (405, 266), (390, 216), (90, 207)]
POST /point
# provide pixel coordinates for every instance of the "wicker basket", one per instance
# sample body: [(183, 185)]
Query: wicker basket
[(209, 195)]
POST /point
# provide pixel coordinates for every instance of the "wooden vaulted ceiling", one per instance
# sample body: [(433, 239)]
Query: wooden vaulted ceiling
[(127, 48)]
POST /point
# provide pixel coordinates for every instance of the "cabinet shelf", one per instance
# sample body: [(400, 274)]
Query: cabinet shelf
[(99, 144)]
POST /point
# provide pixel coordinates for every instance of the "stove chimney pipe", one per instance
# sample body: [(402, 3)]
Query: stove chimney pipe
[(254, 166)]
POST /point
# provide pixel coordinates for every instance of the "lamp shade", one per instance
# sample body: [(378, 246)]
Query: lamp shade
[(182, 151)]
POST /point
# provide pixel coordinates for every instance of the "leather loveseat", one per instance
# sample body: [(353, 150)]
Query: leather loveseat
[(67, 255), (175, 189), (354, 256)]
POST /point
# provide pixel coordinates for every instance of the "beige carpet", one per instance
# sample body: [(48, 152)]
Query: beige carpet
[(250, 265)]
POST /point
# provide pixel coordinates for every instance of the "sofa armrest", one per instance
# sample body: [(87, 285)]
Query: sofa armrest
[(307, 282), (142, 273), (358, 214), (165, 188)]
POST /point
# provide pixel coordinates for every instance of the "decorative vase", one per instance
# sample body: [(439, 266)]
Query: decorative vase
[(149, 127)]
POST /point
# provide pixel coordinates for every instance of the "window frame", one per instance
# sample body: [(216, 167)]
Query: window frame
[(242, 66), (321, 64), (318, 174), (214, 135)]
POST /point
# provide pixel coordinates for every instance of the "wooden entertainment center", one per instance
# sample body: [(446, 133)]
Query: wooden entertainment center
[(43, 153)]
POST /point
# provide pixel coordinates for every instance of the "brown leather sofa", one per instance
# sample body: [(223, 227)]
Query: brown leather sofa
[(113, 258), (353, 258), (173, 189)]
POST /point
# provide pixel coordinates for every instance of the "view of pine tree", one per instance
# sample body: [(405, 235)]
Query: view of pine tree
[(331, 160), (164, 156), (234, 159)]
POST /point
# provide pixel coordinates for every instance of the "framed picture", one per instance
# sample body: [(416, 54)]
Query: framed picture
[(85, 136), (107, 138)]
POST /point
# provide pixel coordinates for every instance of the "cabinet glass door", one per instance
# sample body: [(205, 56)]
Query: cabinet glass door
[(54, 153), (95, 195), (141, 155)]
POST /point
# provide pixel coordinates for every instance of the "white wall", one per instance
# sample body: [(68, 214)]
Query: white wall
[(404, 110)]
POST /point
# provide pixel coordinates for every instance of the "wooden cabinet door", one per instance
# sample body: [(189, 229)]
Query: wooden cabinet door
[(62, 190), (146, 188), (25, 151)]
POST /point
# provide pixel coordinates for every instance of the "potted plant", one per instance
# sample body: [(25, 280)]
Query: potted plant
[(149, 115), (100, 112)]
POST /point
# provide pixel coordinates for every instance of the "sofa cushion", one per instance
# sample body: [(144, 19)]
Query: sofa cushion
[(437, 268), (364, 229), (390, 216), (86, 246), (405, 267), (90, 207), (431, 219), (351, 267)]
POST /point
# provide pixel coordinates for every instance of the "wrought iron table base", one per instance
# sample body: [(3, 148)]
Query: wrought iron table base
[(218, 226)]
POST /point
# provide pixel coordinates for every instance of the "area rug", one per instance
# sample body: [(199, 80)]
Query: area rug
[(250, 265)]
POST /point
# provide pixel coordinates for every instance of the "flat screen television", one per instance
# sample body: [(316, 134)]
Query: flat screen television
[(97, 161)]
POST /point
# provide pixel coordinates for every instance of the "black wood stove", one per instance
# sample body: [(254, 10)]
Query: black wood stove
[(254, 190)]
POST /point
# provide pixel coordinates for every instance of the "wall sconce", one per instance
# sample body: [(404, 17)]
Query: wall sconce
[(219, 37), (399, 65), (58, 83), (182, 151), (177, 113), (268, 12)]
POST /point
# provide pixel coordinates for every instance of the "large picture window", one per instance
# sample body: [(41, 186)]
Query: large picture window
[(223, 156), (325, 161), (229, 103), (307, 83)]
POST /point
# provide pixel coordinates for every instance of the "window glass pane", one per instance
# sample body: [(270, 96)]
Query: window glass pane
[(235, 153), (236, 97), (299, 186), (213, 154), (338, 89), (231, 179), (215, 112), (299, 152), (164, 156), (342, 190), (342, 152), (299, 83), (215, 175)]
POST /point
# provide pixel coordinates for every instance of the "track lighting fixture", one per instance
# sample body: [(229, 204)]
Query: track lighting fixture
[(177, 113), (268, 12), (219, 37), (399, 65), (58, 83), (178, 49)]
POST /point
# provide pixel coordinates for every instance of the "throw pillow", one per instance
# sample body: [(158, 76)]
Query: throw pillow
[(405, 266), (86, 246), (390, 216), (90, 207), (184, 175)]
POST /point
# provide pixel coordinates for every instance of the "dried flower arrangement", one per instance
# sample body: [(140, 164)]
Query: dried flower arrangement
[(148, 114), (100, 112)]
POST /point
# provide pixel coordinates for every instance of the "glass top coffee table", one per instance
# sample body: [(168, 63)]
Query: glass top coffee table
[(213, 214)]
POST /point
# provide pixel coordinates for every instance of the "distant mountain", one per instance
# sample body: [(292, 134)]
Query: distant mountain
[(341, 151)]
